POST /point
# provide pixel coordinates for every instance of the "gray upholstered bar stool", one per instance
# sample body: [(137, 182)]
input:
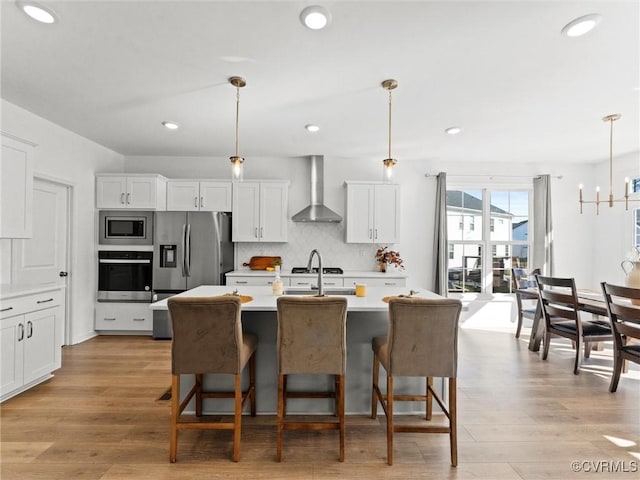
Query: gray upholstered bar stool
[(422, 341), (208, 338), (311, 340)]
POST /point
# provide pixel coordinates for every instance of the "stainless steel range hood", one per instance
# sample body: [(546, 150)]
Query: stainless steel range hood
[(317, 211)]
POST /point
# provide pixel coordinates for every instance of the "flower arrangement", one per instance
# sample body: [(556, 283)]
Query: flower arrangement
[(384, 256), (634, 255)]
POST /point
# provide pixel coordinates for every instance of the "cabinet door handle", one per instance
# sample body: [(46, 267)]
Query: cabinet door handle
[(122, 198), (6, 309), (376, 234), (370, 233), (110, 319), (261, 232), (241, 282), (29, 329), (256, 234), (45, 301), (128, 198), (21, 333), (195, 202), (138, 319), (201, 202)]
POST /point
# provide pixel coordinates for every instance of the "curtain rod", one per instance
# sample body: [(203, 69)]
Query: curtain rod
[(559, 177)]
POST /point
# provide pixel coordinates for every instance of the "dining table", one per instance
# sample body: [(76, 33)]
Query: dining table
[(590, 301)]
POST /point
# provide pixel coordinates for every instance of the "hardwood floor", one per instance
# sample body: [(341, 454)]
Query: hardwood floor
[(519, 418)]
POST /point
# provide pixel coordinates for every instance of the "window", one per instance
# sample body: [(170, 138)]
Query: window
[(637, 227), (497, 239)]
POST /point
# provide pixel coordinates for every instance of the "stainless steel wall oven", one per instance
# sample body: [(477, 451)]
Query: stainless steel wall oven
[(124, 276)]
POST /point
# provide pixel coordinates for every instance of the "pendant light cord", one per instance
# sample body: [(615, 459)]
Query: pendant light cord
[(237, 115), (389, 124), (611, 158)]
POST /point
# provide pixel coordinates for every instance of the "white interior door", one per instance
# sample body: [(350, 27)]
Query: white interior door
[(41, 258)]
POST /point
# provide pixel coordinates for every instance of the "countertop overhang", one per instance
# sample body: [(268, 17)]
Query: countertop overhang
[(265, 301)]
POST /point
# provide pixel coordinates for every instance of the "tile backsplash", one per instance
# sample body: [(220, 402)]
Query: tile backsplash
[(327, 238)]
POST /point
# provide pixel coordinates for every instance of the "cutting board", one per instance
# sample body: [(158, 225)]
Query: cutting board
[(261, 263)]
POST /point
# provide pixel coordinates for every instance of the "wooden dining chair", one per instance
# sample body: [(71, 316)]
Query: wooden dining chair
[(311, 340), (422, 341), (520, 278), (623, 305), (208, 338), (561, 313)]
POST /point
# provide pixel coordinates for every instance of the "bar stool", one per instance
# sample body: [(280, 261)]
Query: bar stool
[(208, 338), (422, 341), (311, 340)]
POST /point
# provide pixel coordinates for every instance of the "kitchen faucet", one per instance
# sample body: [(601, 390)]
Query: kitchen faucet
[(316, 252)]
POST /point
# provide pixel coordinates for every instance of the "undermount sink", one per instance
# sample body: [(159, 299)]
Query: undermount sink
[(314, 291)]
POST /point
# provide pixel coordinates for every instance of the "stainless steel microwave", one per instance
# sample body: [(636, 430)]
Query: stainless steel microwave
[(119, 227)]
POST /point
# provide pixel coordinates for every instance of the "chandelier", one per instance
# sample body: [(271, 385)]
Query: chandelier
[(609, 118)]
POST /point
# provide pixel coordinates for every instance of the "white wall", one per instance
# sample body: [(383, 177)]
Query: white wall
[(72, 159)]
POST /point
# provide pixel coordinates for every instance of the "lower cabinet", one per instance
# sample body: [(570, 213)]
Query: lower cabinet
[(124, 317), (376, 282), (253, 281), (30, 341)]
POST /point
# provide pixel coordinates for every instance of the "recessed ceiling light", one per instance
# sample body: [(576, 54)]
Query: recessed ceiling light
[(38, 12), (171, 125), (315, 17), (581, 25), (453, 130), (312, 128)]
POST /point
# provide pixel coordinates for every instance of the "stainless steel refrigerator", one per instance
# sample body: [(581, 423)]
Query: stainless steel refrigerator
[(189, 249)]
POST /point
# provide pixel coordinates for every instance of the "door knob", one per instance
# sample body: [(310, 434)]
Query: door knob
[(64, 274)]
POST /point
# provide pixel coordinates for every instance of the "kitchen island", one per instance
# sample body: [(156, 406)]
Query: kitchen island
[(366, 318)]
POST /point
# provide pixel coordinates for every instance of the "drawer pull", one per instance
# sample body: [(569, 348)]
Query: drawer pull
[(241, 282), (112, 319), (389, 283), (329, 283), (6, 309), (138, 319), (45, 301)]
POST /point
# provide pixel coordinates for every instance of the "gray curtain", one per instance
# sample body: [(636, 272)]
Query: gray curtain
[(542, 257), (440, 252)]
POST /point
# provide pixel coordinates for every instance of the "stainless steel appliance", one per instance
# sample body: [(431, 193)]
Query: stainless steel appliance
[(118, 227), (124, 276), (190, 249)]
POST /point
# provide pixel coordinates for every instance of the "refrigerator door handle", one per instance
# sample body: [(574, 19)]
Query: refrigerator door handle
[(218, 239), (184, 246), (187, 255)]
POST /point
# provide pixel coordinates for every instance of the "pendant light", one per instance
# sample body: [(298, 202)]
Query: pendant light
[(389, 162), (236, 160)]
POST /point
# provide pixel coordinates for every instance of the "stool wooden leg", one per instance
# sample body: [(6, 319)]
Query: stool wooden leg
[(175, 405), (340, 404), (389, 419), (198, 394), (237, 417), (453, 421), (281, 387), (252, 383), (429, 398), (374, 389)]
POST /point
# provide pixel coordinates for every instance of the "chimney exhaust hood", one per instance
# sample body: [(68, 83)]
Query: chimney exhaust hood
[(317, 211)]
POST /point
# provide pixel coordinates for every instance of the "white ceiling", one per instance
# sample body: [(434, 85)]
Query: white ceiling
[(112, 71)]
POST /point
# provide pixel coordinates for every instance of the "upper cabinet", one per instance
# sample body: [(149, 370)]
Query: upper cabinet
[(373, 212), (260, 211), (194, 195), (16, 188), (133, 191)]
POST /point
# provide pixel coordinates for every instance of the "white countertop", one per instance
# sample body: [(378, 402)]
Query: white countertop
[(287, 273), (10, 291), (265, 301)]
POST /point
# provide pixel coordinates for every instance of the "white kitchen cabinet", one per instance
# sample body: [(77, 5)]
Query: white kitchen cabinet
[(260, 211), (194, 195), (387, 280), (136, 192), (306, 280), (373, 213), (254, 281), (124, 317), (31, 329), (16, 188)]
